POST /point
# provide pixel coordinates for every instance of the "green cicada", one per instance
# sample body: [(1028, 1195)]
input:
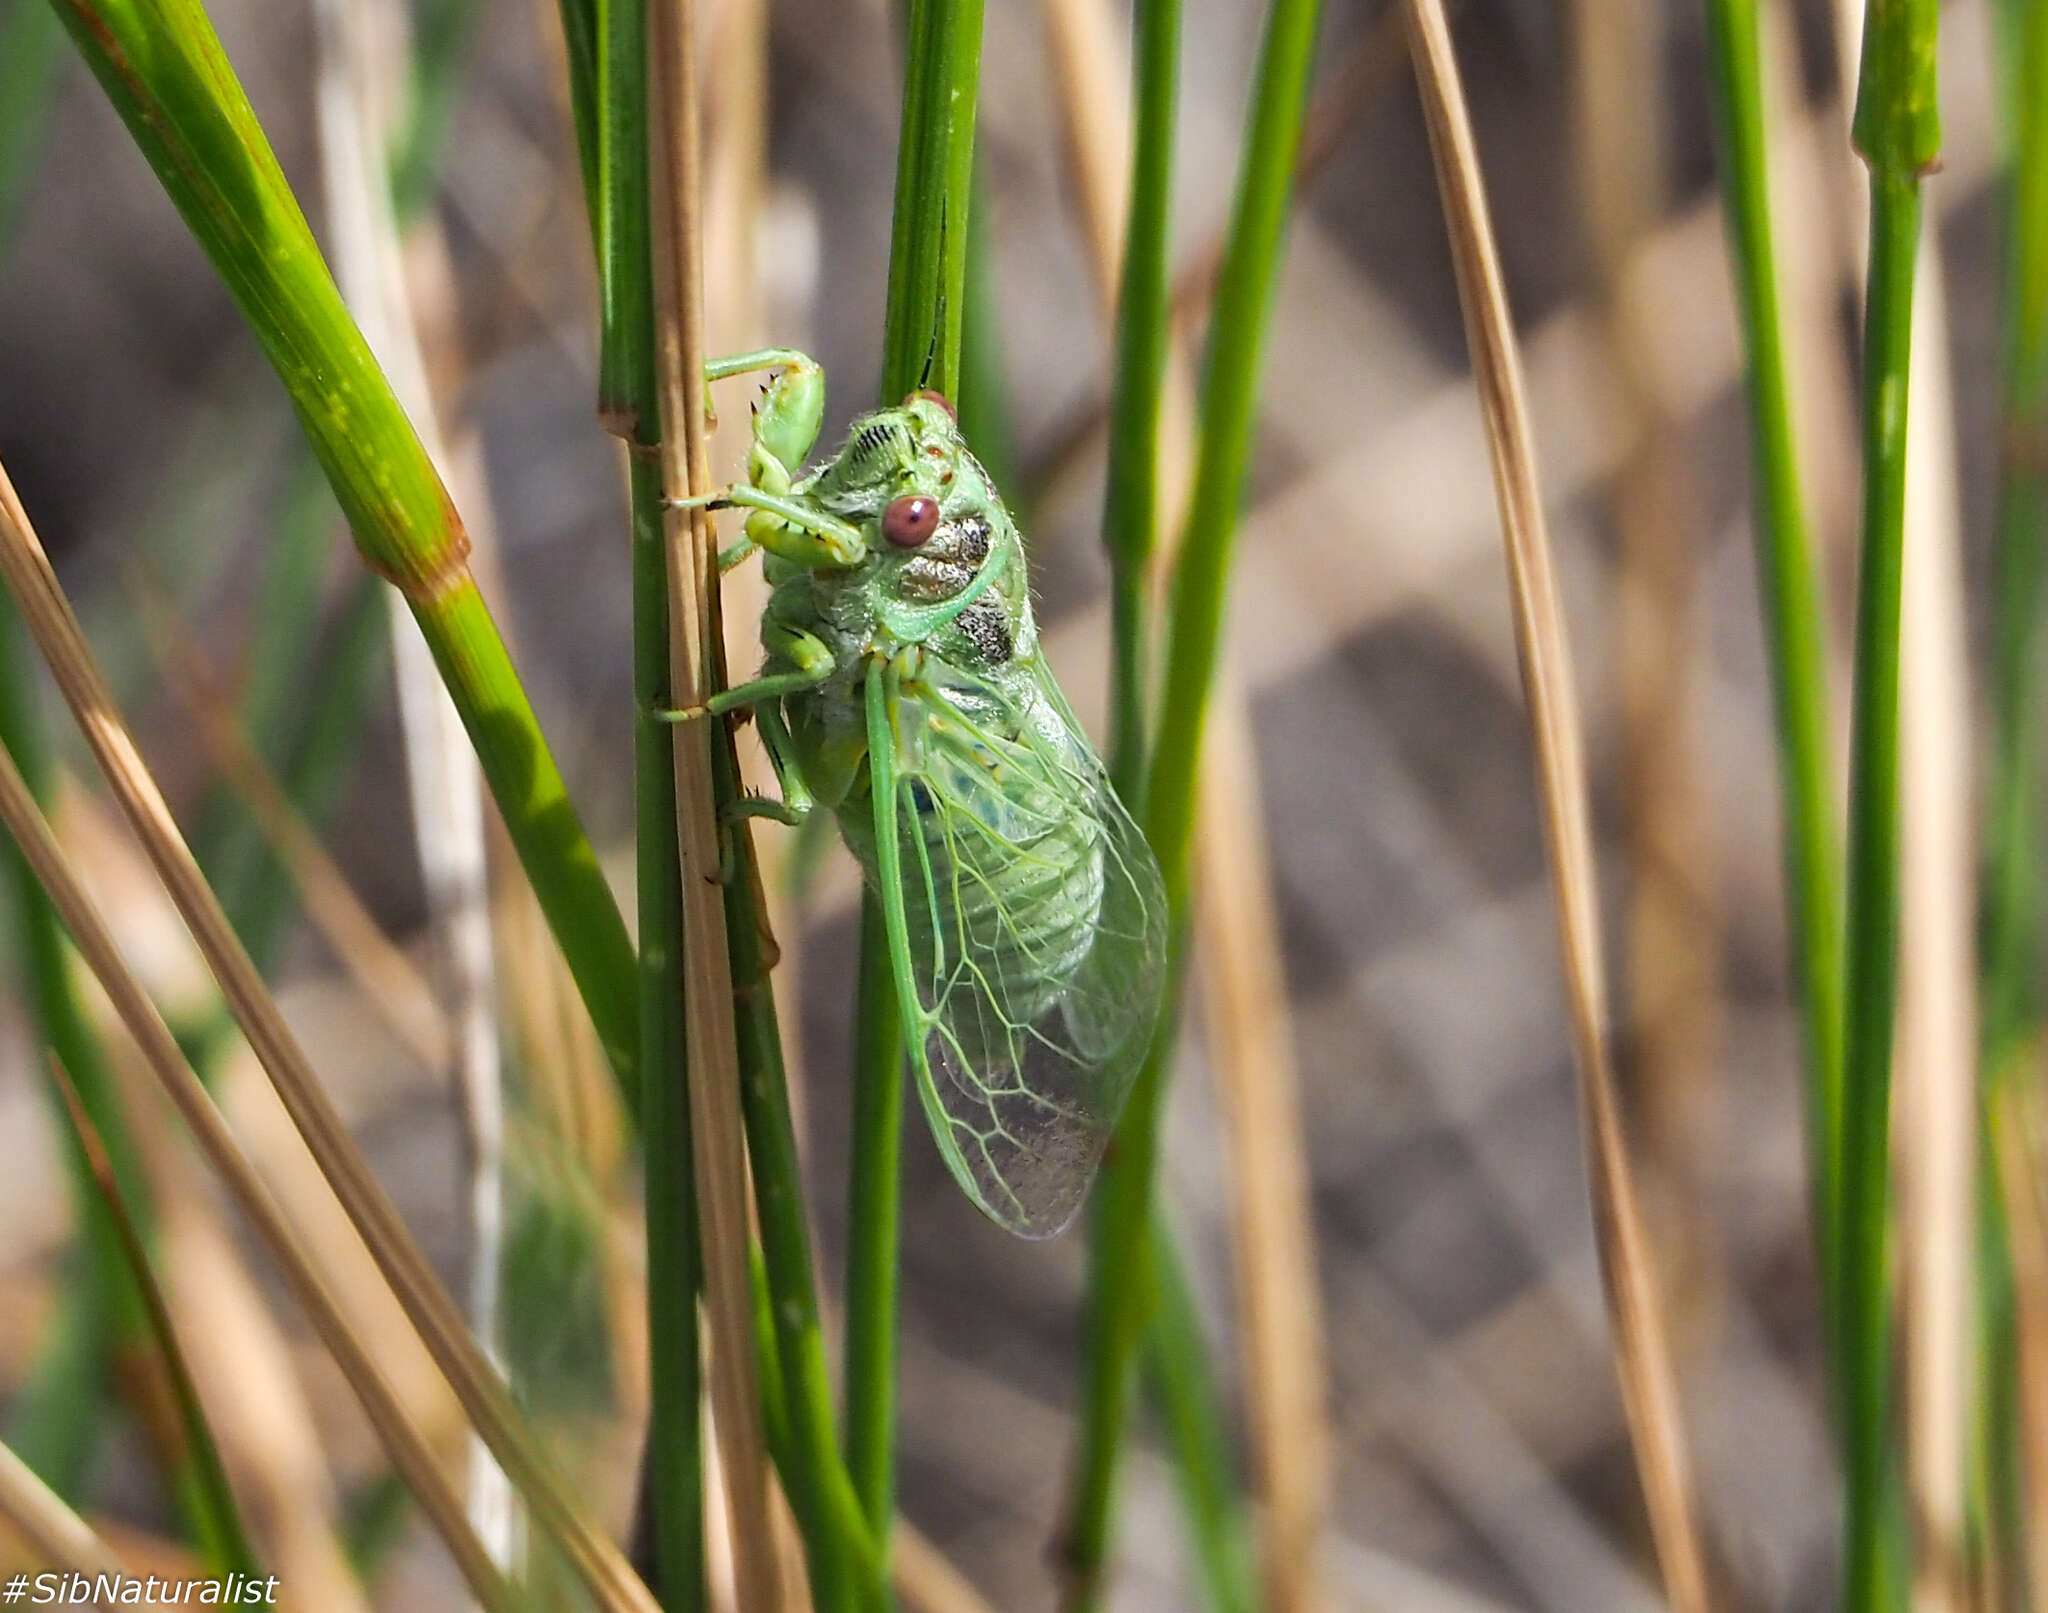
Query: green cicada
[(904, 689)]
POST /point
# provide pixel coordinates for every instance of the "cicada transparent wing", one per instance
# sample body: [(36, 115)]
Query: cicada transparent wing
[(1027, 925)]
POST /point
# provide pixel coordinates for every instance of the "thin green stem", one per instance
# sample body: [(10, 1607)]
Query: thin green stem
[(934, 192), (2011, 895), (1118, 1286), (1795, 625), (55, 1421), (629, 404), (1897, 131), (921, 346), (54, 1426), (1144, 329), (1191, 1409), (1176, 1353), (163, 68), (675, 1434), (2011, 1007), (198, 1476), (873, 1222), (440, 38), (846, 1566), (315, 761)]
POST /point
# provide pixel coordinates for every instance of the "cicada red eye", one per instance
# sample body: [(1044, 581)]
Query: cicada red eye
[(939, 398), (910, 520)]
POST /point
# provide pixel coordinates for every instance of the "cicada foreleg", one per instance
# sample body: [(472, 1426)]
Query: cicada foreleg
[(787, 418), (783, 526), (785, 427)]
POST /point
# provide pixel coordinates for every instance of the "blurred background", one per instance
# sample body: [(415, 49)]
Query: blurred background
[(1477, 1457)]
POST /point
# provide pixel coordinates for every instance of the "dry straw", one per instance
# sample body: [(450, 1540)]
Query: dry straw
[(53, 1531), (409, 1452), (482, 1393), (717, 1136), (1642, 1357)]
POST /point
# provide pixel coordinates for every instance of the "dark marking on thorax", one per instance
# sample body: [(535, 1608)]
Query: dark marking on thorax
[(988, 630), (947, 563)]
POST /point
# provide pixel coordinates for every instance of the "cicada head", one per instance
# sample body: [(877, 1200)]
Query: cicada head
[(934, 523)]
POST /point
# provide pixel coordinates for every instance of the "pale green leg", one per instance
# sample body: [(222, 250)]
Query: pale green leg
[(767, 358), (814, 663), (797, 802), (800, 533)]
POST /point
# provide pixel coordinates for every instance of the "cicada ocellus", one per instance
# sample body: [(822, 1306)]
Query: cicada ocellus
[(904, 690)]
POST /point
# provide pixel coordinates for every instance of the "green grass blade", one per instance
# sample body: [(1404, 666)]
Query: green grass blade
[(934, 192), (621, 207), (201, 1480), (441, 34), (313, 764), (847, 1567), (2011, 902), (1191, 1409), (930, 237), (55, 1421), (674, 1276), (2010, 1000), (1795, 626), (1897, 130), (54, 1427), (162, 66), (874, 1217), (1117, 1276), (1144, 331)]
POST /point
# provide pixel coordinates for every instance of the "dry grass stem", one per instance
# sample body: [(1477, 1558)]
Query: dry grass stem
[(256, 1403), (718, 1141), (1273, 1237), (1339, 103), (926, 1580), (1642, 1357), (1236, 930), (1936, 1138), (1673, 919), (1092, 69), (735, 114), (483, 1394), (1471, 1454), (2023, 1192), (53, 1531), (244, 1367), (264, 1128), (361, 54), (409, 1452)]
